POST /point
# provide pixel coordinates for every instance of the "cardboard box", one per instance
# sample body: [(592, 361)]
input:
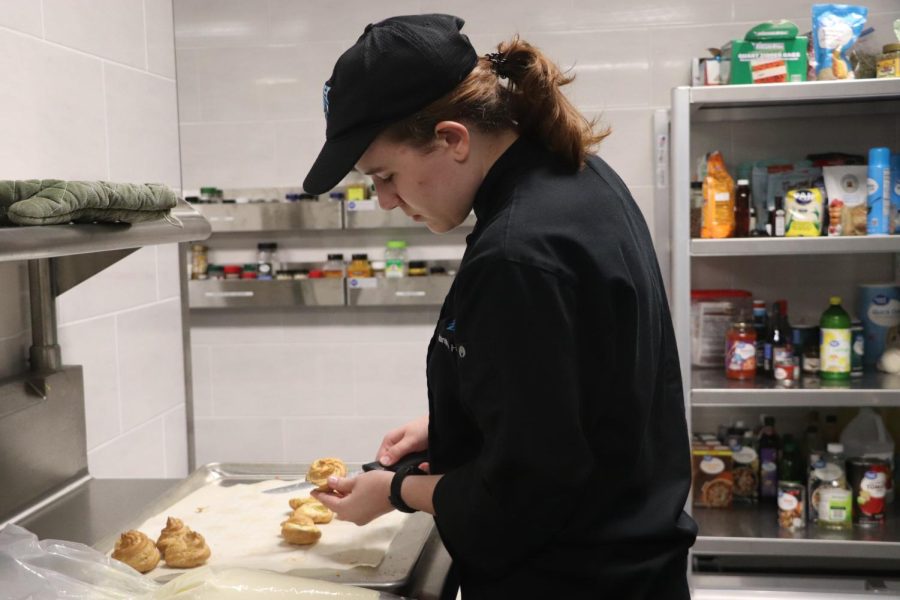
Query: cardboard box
[(769, 53), (713, 482)]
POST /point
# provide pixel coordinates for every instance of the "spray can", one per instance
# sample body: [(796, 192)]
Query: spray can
[(879, 198), (895, 190)]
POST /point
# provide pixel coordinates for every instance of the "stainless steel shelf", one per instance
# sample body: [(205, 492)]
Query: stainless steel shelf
[(366, 214), (784, 246), (754, 531), (265, 294), (403, 291), (50, 241), (272, 216), (709, 387)]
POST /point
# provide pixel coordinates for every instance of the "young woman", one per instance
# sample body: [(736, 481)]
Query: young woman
[(558, 459)]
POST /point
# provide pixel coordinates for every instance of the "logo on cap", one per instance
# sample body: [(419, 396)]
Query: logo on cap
[(325, 91)]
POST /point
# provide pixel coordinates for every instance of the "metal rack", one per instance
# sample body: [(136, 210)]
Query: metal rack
[(698, 116)]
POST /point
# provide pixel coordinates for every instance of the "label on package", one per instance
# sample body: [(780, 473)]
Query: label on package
[(769, 472), (835, 350)]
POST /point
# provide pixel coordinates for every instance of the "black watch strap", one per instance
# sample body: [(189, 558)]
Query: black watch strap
[(395, 498)]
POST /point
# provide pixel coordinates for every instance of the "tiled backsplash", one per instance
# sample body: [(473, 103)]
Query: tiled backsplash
[(292, 385), (91, 94)]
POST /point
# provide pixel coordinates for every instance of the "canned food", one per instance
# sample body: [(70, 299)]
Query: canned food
[(869, 479), (791, 506), (835, 508)]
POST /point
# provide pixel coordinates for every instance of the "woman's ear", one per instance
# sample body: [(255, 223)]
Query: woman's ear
[(454, 136)]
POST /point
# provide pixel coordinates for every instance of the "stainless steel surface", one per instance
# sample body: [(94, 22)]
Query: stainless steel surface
[(26, 243), (710, 387), (392, 574), (405, 291), (780, 246), (69, 271), (42, 440), (188, 356), (272, 216), (366, 214), (775, 587), (753, 530), (44, 353), (228, 293), (429, 577)]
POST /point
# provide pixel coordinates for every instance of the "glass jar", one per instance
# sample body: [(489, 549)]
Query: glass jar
[(359, 266), (740, 351), (249, 271), (199, 261), (232, 271), (378, 268), (395, 257), (417, 268), (334, 266), (216, 272), (266, 260), (889, 61)]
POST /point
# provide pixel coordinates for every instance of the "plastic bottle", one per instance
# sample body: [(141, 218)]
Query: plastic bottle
[(867, 436), (760, 325), (835, 501), (334, 266), (359, 266), (395, 259), (835, 346), (768, 460), (266, 259), (879, 197)]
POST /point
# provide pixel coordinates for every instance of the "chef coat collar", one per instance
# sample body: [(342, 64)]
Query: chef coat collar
[(501, 178)]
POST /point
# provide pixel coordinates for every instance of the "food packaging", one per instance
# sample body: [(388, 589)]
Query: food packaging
[(836, 27), (804, 211), (879, 195), (846, 190), (713, 482), (712, 314), (718, 199), (879, 311), (771, 52)]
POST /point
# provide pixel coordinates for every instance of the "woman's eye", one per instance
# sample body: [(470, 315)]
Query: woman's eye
[(386, 178)]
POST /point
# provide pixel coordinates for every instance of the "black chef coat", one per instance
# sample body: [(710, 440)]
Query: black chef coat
[(555, 399)]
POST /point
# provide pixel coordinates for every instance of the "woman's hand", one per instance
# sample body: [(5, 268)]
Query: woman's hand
[(358, 499), (412, 437)]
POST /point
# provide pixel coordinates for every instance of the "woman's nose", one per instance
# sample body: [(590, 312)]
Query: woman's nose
[(387, 199)]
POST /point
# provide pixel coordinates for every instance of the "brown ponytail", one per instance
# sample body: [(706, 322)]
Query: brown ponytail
[(530, 101)]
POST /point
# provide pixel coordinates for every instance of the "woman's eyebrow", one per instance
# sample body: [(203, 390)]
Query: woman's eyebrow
[(371, 171)]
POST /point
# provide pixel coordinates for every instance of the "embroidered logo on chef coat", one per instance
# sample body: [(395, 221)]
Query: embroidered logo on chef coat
[(460, 350), (325, 91)]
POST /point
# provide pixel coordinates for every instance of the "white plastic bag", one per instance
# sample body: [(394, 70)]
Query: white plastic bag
[(208, 583), (53, 569)]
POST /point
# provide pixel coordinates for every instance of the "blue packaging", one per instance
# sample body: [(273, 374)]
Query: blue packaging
[(879, 311), (895, 190), (879, 197)]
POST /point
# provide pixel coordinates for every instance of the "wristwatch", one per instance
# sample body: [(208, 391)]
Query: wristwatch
[(395, 498)]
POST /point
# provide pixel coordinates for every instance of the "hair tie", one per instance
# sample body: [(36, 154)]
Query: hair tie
[(498, 64)]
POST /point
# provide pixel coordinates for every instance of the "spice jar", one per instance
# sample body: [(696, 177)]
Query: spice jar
[(216, 272), (249, 271), (232, 271), (889, 61), (199, 261), (740, 351), (266, 259), (334, 266), (395, 257), (359, 266), (417, 268)]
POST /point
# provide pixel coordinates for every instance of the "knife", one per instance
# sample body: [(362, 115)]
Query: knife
[(414, 458)]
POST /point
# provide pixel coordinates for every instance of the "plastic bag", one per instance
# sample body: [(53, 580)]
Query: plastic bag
[(208, 583), (836, 27), (53, 569), (718, 199)]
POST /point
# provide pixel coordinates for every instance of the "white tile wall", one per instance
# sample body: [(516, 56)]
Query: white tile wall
[(91, 94), (249, 75)]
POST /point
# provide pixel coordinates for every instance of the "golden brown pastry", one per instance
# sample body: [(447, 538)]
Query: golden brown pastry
[(137, 551), (300, 530), (175, 528), (316, 511), (322, 469), (187, 551), (298, 502)]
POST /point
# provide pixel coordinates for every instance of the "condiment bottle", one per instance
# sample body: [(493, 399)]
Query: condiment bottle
[(835, 502), (742, 209), (359, 266), (769, 443), (395, 259), (334, 266), (232, 271), (835, 337), (417, 268), (249, 271), (740, 352), (266, 261), (760, 326)]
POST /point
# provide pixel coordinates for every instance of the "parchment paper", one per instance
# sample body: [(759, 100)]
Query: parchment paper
[(242, 527)]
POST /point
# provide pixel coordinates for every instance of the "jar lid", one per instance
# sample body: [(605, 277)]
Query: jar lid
[(417, 264), (315, 274), (743, 182), (250, 266), (361, 256), (198, 247), (895, 47), (215, 268), (208, 190), (696, 185), (267, 246), (396, 244), (335, 257), (232, 268)]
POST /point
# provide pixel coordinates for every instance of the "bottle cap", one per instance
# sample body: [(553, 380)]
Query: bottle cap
[(696, 185), (335, 257), (738, 424), (267, 246), (743, 182), (835, 300), (396, 244), (835, 448), (360, 256)]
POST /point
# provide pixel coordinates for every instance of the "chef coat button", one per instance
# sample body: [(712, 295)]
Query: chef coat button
[(462, 351)]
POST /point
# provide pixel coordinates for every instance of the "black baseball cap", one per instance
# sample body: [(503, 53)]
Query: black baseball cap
[(396, 68)]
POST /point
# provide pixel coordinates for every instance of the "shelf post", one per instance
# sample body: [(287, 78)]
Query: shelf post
[(44, 353)]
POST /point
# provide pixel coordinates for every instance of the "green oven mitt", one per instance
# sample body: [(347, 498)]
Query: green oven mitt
[(54, 201)]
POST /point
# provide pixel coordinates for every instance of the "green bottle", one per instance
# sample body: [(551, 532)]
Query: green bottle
[(834, 349)]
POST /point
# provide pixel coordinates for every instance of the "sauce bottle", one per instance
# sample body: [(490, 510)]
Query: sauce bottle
[(740, 352), (742, 209), (768, 460), (359, 266), (835, 337)]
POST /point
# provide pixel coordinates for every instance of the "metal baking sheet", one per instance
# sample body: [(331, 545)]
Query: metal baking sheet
[(391, 575)]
